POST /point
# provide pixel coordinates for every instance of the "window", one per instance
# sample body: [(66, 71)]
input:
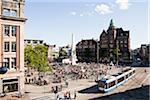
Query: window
[(111, 84), (10, 86), (120, 79), (121, 34), (121, 41), (127, 76), (7, 30), (13, 46), (41, 42), (34, 42), (125, 41), (29, 41), (111, 41), (6, 12), (101, 84), (130, 74), (13, 13), (125, 45), (6, 61), (14, 30), (13, 62), (6, 47)]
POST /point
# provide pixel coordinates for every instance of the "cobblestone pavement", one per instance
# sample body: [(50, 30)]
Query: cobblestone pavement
[(34, 92)]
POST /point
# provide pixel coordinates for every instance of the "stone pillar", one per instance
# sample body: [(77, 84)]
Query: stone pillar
[(21, 88), (1, 86)]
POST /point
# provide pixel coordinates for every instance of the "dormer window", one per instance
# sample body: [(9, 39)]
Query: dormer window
[(13, 13), (8, 12)]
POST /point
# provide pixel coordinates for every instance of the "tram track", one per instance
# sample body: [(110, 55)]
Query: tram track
[(138, 79)]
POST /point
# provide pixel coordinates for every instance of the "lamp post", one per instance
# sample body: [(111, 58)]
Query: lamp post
[(117, 53), (97, 51)]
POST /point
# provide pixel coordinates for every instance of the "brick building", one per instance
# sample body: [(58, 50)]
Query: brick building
[(86, 50), (112, 39), (12, 22), (144, 54)]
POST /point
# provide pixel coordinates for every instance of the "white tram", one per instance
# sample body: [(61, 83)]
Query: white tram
[(110, 82)]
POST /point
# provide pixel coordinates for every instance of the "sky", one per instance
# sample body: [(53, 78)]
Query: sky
[(54, 21)]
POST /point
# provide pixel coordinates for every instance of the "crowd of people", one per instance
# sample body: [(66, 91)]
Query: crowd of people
[(80, 71), (62, 73), (73, 72)]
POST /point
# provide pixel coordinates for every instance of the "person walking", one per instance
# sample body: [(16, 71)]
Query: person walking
[(75, 95), (145, 70)]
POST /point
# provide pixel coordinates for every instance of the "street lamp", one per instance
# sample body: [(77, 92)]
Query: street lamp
[(117, 53)]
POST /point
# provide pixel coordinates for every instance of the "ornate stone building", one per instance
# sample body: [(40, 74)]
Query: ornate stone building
[(112, 39), (86, 50), (12, 22)]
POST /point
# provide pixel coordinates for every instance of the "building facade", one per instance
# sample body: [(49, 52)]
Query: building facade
[(144, 54), (53, 53), (33, 42), (140, 56), (86, 50), (12, 22), (114, 45)]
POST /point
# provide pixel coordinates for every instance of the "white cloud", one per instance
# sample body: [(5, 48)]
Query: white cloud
[(103, 9), (123, 4), (73, 13), (81, 15)]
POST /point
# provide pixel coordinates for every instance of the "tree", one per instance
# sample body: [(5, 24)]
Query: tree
[(29, 56), (37, 57), (117, 53)]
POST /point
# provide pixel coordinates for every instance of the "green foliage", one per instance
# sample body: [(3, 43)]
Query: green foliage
[(29, 55), (62, 53), (116, 52), (37, 57)]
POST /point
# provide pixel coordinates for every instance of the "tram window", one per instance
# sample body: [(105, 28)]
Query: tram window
[(127, 76), (101, 84), (120, 79), (111, 84), (130, 74)]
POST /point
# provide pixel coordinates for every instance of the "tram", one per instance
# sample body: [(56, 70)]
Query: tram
[(110, 82)]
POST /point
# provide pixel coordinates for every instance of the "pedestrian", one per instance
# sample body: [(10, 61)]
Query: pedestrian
[(66, 84), (65, 95), (69, 96), (57, 97), (75, 95), (52, 89), (145, 70)]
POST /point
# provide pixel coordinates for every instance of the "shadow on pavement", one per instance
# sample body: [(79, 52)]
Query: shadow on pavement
[(141, 93), (92, 89)]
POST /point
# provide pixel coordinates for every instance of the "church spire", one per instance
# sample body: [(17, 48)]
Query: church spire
[(111, 25)]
